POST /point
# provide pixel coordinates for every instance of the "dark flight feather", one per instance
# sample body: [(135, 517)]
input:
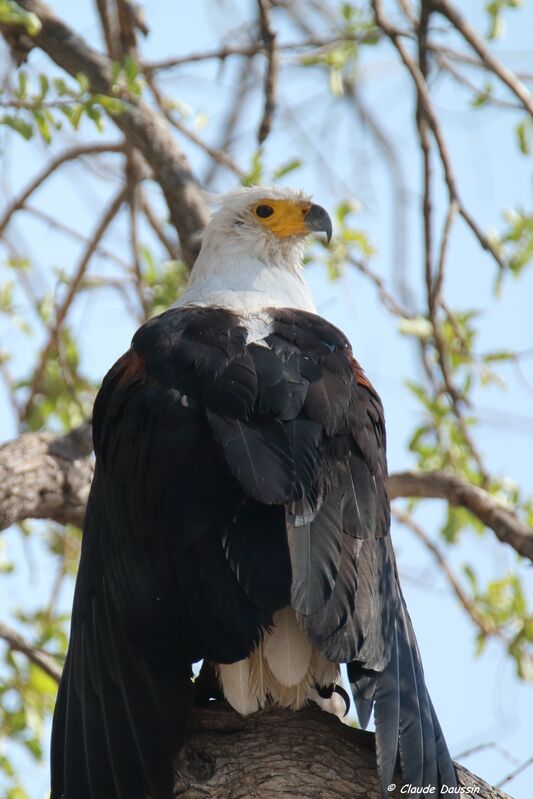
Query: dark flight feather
[(315, 550)]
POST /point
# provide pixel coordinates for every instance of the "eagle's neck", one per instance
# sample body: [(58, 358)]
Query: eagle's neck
[(246, 284)]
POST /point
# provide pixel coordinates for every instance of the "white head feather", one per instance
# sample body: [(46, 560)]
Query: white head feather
[(244, 266)]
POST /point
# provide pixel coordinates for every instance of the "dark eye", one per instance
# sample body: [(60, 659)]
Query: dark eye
[(263, 211)]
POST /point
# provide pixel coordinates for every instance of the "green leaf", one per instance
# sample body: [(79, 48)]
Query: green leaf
[(285, 169), (13, 14), (24, 128), (43, 126), (45, 85), (483, 97), (22, 84), (255, 173), (83, 82), (112, 105), (524, 132)]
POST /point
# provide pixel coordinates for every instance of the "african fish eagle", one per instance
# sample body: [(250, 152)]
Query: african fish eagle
[(238, 514)]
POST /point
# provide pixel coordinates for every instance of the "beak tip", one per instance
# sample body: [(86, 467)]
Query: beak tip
[(318, 220)]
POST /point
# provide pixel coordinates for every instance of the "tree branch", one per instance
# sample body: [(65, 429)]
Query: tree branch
[(17, 643), (476, 43), (456, 491), (69, 155), (485, 625), (43, 476), (268, 35), (278, 752), (424, 99), (75, 283), (143, 127), (46, 477)]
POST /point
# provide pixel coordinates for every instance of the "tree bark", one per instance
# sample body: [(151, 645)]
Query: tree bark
[(43, 476), (277, 753)]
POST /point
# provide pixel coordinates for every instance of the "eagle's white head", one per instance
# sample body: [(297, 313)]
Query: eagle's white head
[(252, 250)]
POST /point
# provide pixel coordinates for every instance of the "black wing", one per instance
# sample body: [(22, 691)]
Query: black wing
[(232, 480), (345, 580)]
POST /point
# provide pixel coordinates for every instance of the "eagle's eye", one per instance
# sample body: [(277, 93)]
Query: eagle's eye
[(263, 211)]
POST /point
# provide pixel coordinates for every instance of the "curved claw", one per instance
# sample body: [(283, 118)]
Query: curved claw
[(326, 692)]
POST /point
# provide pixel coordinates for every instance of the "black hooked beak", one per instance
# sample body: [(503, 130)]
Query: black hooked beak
[(318, 220)]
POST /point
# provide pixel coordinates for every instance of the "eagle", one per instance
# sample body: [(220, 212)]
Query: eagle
[(238, 515)]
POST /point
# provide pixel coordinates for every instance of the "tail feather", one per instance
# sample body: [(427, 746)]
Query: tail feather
[(239, 689), (287, 649), (429, 750), (406, 723), (387, 716), (363, 685), (446, 768), (412, 732)]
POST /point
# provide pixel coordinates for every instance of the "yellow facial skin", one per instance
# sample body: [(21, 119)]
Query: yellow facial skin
[(287, 219)]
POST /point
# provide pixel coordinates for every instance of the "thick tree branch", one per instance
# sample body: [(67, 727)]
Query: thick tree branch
[(303, 755), (143, 127), (48, 477)]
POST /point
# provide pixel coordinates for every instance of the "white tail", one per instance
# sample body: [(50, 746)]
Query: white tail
[(287, 649), (283, 668), (238, 688)]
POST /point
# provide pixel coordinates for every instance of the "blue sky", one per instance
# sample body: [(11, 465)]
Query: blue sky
[(478, 699)]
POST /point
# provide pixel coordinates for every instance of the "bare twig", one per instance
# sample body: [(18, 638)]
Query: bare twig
[(476, 43), (515, 772), (134, 173), (216, 154), (157, 227), (425, 102), (108, 28), (461, 79), (142, 125), (434, 283), (438, 281), (63, 309), (385, 296), (268, 36), (17, 643), (399, 197), (485, 625), (244, 83), (472, 750), (69, 155), (465, 58), (56, 224), (256, 48)]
